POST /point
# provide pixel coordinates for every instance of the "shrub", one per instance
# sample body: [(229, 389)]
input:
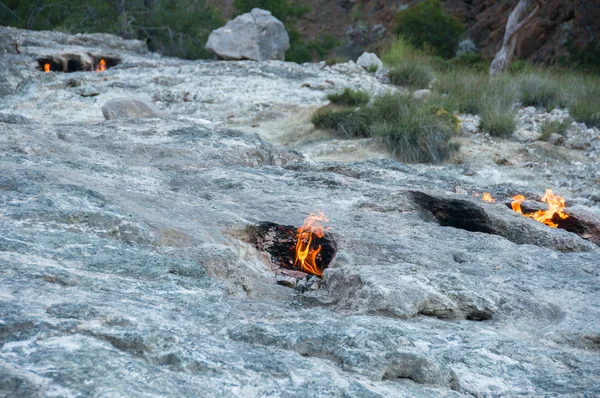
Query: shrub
[(301, 51), (347, 122), (349, 97), (399, 51), (553, 127), (474, 62), (498, 122), (519, 66), (461, 91), (586, 111), (427, 25), (415, 75), (586, 58), (585, 103), (412, 130), (540, 91)]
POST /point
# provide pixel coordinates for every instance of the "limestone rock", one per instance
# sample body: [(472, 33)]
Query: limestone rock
[(369, 60), (421, 94), (123, 108), (256, 35)]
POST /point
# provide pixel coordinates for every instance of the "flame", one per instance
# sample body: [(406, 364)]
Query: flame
[(488, 197), (305, 256), (556, 205), (101, 66), (46, 67)]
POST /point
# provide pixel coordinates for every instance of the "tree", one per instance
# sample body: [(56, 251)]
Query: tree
[(427, 25), (516, 22)]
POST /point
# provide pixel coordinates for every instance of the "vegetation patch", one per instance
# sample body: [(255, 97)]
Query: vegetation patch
[(347, 122), (428, 26), (413, 131), (498, 122), (349, 97), (554, 127), (410, 74), (540, 91)]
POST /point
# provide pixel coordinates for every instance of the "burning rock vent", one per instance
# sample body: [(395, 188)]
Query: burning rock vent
[(297, 251), (68, 63), (452, 211)]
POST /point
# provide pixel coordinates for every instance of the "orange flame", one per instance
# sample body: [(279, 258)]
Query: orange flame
[(101, 66), (556, 205), (488, 197), (46, 67), (305, 256)]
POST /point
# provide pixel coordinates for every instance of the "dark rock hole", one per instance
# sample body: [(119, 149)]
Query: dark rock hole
[(68, 63), (279, 241)]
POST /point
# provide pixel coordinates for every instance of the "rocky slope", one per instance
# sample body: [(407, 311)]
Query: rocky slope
[(361, 23), (127, 257)]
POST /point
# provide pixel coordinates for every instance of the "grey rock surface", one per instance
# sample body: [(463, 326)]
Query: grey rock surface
[(127, 269), (130, 108), (256, 35)]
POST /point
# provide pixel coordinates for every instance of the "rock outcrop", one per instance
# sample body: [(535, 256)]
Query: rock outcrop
[(130, 108), (128, 265), (369, 61), (256, 35)]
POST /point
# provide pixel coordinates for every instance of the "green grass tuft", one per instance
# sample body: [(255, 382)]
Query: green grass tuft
[(414, 75), (345, 121), (553, 127), (414, 131), (349, 97), (541, 91), (586, 111), (498, 122)]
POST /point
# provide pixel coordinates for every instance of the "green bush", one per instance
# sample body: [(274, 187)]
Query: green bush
[(474, 62), (413, 131), (349, 97), (586, 111), (411, 74), (553, 127), (427, 25), (301, 51), (498, 122), (585, 99), (541, 91), (399, 51), (519, 66), (586, 58), (347, 122)]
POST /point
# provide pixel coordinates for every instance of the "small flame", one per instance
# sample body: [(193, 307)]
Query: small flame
[(556, 205), (488, 197), (46, 67), (101, 66), (305, 256)]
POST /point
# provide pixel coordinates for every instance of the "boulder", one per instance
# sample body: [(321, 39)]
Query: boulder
[(256, 35), (421, 94), (125, 108), (368, 60)]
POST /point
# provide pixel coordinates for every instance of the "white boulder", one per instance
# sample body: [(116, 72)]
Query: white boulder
[(256, 35), (369, 60)]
